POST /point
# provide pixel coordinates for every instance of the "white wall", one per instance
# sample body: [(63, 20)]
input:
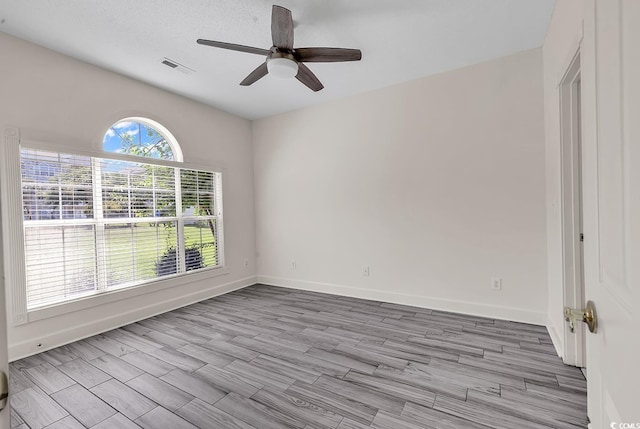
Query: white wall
[(560, 46), (437, 185), (50, 96)]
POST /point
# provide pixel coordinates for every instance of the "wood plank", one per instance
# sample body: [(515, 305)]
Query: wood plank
[(558, 405), (340, 359), (232, 350), (86, 351), (260, 346), (417, 377), (527, 410), (555, 393), (204, 415), (116, 367), (159, 391), (228, 381), (48, 378), (285, 368), (385, 420), (66, 423), (117, 421), (193, 385), (541, 365), (384, 350), (206, 355), (353, 391), (149, 364), (85, 374), (393, 388), (166, 339), (371, 357), (509, 369), (59, 355), (123, 399), (328, 400), (261, 376), (159, 418), (305, 360), (282, 342), (15, 419), (495, 377), (298, 409), (350, 424), (18, 381), (447, 346), (36, 408), (484, 415), (428, 417), (254, 413), (414, 351), (109, 345), (138, 342), (178, 359), (87, 408)]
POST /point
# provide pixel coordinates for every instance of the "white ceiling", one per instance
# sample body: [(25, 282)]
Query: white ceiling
[(400, 40)]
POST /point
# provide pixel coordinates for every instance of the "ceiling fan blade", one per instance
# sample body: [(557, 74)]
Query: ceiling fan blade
[(307, 77), (233, 47), (281, 27), (327, 55), (260, 72)]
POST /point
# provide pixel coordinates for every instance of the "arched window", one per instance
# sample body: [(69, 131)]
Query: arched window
[(141, 137)]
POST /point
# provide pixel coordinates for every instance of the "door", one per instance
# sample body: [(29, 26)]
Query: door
[(611, 191)]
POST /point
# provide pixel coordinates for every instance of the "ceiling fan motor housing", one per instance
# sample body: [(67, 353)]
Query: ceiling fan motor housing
[(282, 64)]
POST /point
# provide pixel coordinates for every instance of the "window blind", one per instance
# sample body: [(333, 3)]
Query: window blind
[(97, 224)]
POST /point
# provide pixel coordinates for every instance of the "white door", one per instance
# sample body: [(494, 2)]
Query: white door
[(611, 151), (4, 355)]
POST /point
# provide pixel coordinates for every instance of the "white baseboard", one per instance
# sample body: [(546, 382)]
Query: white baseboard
[(558, 344), (55, 339), (465, 307)]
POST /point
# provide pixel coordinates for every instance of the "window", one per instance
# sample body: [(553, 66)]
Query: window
[(141, 137), (96, 224)]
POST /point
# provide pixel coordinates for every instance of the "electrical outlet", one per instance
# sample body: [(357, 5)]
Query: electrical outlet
[(365, 271), (496, 283), (294, 265)]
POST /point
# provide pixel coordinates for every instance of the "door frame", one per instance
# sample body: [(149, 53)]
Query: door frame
[(5, 414), (571, 207)]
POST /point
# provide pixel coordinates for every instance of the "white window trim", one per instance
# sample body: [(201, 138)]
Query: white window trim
[(13, 227), (13, 246)]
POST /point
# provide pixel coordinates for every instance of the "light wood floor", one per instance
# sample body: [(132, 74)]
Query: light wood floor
[(266, 357)]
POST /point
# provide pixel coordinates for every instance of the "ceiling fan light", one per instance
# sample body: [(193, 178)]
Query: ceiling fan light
[(282, 67)]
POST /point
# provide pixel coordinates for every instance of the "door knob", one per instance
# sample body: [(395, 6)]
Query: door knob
[(4, 390), (587, 315)]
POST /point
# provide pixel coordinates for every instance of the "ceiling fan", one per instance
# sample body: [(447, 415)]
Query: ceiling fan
[(282, 59)]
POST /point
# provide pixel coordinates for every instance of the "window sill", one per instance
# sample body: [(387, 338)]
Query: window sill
[(120, 294)]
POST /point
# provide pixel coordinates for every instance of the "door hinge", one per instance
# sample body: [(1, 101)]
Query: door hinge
[(581, 237)]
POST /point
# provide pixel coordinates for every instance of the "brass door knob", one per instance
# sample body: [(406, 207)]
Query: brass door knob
[(588, 315)]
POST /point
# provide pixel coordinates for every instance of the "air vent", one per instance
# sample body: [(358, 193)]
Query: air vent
[(177, 66), (169, 63)]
